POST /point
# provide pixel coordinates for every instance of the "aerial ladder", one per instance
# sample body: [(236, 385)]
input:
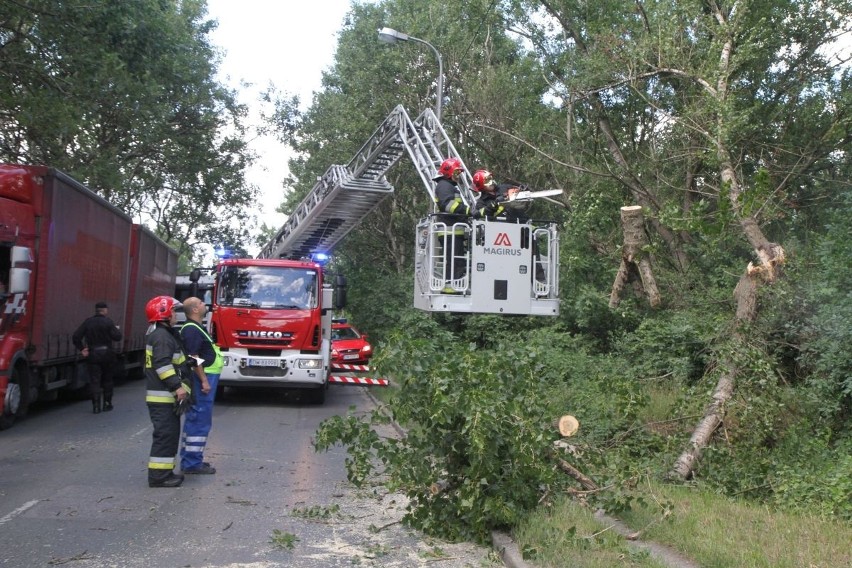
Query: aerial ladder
[(502, 268)]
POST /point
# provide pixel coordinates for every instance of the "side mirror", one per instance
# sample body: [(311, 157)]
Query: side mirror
[(340, 292), (19, 280), (20, 254)]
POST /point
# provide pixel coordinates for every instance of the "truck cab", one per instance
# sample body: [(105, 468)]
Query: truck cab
[(272, 320)]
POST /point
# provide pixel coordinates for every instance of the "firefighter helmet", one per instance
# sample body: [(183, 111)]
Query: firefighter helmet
[(449, 166), (160, 308), (482, 179)]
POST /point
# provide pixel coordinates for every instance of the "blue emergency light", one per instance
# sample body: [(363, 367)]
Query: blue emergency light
[(320, 257)]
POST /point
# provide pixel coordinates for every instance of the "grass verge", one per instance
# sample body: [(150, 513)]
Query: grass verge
[(713, 530)]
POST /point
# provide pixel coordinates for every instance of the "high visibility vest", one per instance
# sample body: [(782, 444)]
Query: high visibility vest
[(217, 365)]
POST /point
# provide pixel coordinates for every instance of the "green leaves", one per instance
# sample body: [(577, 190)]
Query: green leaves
[(122, 96), (475, 436)]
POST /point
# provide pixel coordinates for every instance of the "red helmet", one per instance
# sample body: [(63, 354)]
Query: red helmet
[(160, 308), (449, 166), (482, 179)]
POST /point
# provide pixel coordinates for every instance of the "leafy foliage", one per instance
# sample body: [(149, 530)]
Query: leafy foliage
[(617, 104), (475, 454), (122, 96)]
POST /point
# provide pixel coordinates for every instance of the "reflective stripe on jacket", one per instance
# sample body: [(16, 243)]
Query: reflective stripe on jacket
[(165, 363)]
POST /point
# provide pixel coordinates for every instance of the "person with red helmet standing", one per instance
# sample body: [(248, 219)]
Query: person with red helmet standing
[(449, 201), (167, 383), (447, 194), (495, 201)]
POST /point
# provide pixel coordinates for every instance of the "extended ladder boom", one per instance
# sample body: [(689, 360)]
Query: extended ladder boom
[(344, 195)]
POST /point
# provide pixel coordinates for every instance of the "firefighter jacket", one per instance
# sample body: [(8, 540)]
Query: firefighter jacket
[(491, 205), (488, 206), (166, 366), (448, 197)]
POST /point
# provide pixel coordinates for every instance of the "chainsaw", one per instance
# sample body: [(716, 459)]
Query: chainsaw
[(526, 195)]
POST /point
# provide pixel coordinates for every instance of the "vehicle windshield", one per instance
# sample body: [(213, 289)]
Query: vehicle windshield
[(268, 287), (343, 333)]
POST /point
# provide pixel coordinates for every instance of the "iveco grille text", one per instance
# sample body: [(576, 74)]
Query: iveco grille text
[(264, 334)]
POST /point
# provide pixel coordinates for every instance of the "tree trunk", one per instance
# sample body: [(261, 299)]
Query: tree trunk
[(745, 294), (586, 482), (635, 264), (713, 415)]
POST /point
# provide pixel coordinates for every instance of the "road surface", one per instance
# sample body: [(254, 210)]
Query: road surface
[(73, 492)]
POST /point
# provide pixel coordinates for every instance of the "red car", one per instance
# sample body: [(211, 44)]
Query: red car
[(348, 345)]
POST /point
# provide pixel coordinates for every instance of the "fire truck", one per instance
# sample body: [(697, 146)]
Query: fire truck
[(62, 249), (271, 316)]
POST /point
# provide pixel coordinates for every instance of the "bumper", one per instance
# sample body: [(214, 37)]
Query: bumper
[(298, 371)]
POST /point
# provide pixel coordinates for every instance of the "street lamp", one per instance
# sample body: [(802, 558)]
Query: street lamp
[(389, 35)]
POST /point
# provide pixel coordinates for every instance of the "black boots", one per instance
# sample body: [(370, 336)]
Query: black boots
[(101, 402), (171, 480)]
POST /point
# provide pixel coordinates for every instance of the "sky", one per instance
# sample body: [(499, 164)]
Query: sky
[(283, 42)]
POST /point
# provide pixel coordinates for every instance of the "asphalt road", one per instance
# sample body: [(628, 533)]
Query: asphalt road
[(73, 492)]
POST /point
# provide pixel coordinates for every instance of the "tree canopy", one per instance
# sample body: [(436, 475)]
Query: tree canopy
[(123, 96)]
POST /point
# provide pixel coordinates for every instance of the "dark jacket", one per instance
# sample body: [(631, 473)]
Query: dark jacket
[(497, 204), (196, 342), (96, 331), (165, 363), (448, 197)]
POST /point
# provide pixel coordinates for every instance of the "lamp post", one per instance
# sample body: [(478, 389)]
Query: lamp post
[(389, 35)]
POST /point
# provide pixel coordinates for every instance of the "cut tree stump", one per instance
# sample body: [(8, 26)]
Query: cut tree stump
[(635, 263), (567, 425)]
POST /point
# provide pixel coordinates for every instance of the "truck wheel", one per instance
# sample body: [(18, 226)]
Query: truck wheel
[(16, 401)]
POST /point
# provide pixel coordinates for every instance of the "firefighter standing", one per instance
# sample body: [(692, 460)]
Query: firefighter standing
[(449, 200), (166, 381), (496, 200), (199, 417), (94, 340)]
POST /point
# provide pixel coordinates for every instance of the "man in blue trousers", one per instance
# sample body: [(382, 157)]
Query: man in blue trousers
[(199, 418)]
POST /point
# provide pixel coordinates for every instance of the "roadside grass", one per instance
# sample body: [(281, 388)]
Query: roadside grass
[(718, 531), (713, 530), (568, 534)]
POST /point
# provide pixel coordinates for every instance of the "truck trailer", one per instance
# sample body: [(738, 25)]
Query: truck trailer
[(63, 248)]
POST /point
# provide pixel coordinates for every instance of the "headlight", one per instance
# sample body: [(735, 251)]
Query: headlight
[(367, 348), (309, 363), (226, 360)]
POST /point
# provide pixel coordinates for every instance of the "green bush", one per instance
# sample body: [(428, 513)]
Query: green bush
[(811, 473), (476, 452)]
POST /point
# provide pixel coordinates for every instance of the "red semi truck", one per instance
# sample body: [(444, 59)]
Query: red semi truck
[(62, 249)]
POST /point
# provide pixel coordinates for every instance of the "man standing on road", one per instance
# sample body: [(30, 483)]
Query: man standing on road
[(93, 339), (199, 417), (167, 378)]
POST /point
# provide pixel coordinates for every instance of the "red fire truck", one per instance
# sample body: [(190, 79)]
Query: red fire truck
[(62, 249)]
